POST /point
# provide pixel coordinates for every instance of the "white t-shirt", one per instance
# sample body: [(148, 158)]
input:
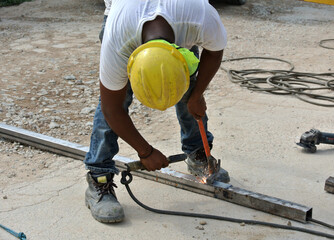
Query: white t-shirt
[(194, 22)]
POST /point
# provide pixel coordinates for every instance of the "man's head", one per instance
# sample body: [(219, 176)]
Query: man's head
[(159, 74)]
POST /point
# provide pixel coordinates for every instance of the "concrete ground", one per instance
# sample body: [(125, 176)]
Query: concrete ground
[(42, 194)]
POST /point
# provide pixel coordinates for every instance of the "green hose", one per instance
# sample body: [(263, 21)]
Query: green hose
[(19, 235)]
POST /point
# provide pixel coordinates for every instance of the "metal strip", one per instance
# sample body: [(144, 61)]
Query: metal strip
[(168, 176)]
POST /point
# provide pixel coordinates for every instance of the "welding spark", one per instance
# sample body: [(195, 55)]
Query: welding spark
[(203, 180)]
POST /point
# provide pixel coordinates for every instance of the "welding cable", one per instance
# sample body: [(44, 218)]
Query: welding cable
[(321, 223), (127, 178), (284, 82), (321, 43)]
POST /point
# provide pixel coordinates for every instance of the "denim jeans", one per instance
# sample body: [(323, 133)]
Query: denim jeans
[(102, 27), (103, 143)]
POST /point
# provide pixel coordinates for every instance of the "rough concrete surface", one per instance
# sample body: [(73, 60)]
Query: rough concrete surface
[(49, 84)]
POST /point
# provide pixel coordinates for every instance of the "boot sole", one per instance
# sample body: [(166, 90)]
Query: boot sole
[(104, 220)]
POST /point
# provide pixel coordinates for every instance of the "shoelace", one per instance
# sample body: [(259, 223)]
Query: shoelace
[(105, 188), (200, 156)]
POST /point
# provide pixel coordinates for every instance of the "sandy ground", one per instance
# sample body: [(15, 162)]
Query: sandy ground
[(49, 84)]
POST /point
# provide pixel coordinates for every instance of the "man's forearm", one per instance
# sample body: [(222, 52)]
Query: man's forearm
[(123, 126), (119, 120), (209, 65)]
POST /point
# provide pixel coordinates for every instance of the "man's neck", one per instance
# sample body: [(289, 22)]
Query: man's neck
[(157, 29)]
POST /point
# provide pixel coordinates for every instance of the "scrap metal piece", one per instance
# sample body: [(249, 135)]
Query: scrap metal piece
[(329, 185), (168, 176)]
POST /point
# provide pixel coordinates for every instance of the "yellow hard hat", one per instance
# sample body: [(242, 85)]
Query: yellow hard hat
[(158, 74)]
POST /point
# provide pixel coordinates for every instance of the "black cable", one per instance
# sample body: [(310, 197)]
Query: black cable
[(321, 44), (126, 182), (284, 82), (321, 223)]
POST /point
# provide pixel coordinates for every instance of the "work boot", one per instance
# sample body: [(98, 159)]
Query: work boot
[(198, 166), (101, 199)]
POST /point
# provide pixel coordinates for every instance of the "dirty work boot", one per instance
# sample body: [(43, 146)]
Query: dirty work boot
[(198, 166), (101, 199)]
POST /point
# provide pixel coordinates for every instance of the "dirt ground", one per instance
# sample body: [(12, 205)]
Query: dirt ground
[(49, 84)]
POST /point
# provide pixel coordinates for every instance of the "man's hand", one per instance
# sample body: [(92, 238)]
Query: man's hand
[(209, 65), (197, 107), (155, 161)]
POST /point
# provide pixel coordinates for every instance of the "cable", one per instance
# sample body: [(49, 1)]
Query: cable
[(126, 182), (19, 235), (285, 82), (321, 44), (321, 223)]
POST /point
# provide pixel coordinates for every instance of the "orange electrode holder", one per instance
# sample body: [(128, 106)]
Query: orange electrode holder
[(329, 2)]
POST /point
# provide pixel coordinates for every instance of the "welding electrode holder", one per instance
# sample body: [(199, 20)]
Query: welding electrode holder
[(137, 165)]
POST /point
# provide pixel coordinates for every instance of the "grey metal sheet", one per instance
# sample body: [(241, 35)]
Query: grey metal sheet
[(168, 176)]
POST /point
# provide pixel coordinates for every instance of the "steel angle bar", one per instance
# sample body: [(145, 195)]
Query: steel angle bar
[(263, 202), (43, 142), (168, 176), (77, 151)]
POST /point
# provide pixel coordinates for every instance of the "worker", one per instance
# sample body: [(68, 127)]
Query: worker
[(145, 53)]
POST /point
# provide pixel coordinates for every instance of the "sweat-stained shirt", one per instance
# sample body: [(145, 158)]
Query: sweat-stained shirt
[(194, 22)]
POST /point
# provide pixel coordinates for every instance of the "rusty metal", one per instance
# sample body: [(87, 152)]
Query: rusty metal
[(329, 185), (168, 176)]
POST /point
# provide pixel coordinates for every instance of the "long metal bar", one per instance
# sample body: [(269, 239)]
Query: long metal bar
[(168, 176)]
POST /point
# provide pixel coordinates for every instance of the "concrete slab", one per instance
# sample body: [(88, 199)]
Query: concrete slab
[(52, 207), (42, 194)]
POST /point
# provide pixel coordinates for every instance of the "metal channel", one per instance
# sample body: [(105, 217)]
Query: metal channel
[(168, 176)]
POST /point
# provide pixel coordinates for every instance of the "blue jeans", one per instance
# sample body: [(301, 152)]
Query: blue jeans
[(102, 27), (104, 146)]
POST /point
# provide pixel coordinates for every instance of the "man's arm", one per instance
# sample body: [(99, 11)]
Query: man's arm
[(209, 65), (121, 123)]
